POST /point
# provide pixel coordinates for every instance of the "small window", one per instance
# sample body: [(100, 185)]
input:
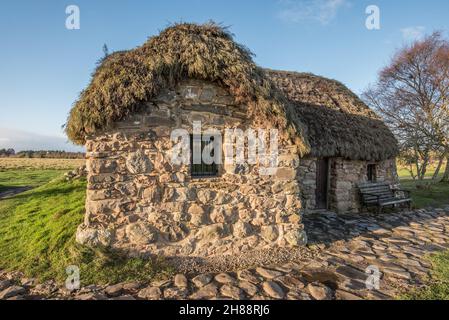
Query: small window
[(199, 170), (371, 172)]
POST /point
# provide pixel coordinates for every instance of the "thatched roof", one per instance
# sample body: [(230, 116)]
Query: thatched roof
[(338, 122), (321, 116), (208, 52)]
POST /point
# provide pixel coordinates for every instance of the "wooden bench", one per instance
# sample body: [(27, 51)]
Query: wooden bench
[(379, 194)]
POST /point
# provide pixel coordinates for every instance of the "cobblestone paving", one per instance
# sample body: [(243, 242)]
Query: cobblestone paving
[(342, 249)]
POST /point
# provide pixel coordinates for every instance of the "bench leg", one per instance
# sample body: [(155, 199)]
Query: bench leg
[(379, 209)]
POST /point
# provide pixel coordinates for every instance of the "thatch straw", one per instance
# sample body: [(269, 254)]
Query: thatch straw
[(207, 52), (338, 123), (323, 117)]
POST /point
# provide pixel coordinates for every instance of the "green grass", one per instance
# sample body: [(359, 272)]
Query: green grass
[(37, 235), (425, 193), (405, 174), (432, 195), (438, 286)]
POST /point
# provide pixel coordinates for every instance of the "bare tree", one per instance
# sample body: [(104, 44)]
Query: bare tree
[(412, 95), (446, 172)]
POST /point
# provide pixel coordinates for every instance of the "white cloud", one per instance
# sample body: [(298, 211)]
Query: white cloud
[(322, 11), (413, 33), (23, 140)]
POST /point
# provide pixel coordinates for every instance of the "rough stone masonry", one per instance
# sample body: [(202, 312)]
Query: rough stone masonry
[(140, 202)]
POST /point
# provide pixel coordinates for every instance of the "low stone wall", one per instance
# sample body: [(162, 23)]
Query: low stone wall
[(307, 181), (138, 201), (345, 175)]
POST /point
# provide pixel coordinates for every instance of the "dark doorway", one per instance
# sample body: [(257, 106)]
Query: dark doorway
[(371, 172), (322, 176)]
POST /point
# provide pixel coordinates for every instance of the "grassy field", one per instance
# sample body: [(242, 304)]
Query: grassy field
[(39, 164), (424, 193), (37, 232), (16, 172)]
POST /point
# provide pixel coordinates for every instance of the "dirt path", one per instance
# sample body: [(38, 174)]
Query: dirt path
[(12, 191)]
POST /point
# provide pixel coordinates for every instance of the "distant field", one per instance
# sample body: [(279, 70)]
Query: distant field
[(431, 194), (404, 174), (40, 164)]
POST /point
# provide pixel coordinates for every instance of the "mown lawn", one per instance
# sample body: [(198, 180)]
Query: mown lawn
[(432, 195), (425, 193), (37, 234)]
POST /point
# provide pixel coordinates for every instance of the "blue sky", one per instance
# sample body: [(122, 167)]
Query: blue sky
[(44, 66)]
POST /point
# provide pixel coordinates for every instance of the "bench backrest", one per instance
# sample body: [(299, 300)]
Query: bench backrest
[(370, 190)]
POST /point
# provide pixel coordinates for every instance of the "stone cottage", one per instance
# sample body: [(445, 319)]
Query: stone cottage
[(140, 201)]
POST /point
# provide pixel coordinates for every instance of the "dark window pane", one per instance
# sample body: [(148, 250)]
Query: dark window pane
[(202, 169), (371, 172)]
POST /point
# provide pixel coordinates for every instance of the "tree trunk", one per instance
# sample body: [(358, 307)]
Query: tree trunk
[(418, 170), (410, 170), (446, 171), (437, 169), (422, 170)]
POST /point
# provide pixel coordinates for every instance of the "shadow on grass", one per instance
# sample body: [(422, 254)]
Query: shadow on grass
[(50, 192), (103, 266), (8, 192)]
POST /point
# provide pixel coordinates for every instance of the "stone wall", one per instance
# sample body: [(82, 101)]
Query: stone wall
[(307, 181), (344, 175), (138, 201)]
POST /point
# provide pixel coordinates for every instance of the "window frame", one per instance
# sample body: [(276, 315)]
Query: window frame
[(202, 173), (371, 172)]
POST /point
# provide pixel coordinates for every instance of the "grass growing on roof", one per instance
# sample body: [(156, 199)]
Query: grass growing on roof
[(125, 79), (338, 123), (37, 237)]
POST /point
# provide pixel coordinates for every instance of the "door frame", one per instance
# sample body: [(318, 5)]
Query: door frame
[(328, 184)]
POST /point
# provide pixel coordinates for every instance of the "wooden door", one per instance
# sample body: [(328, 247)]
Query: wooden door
[(322, 178)]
